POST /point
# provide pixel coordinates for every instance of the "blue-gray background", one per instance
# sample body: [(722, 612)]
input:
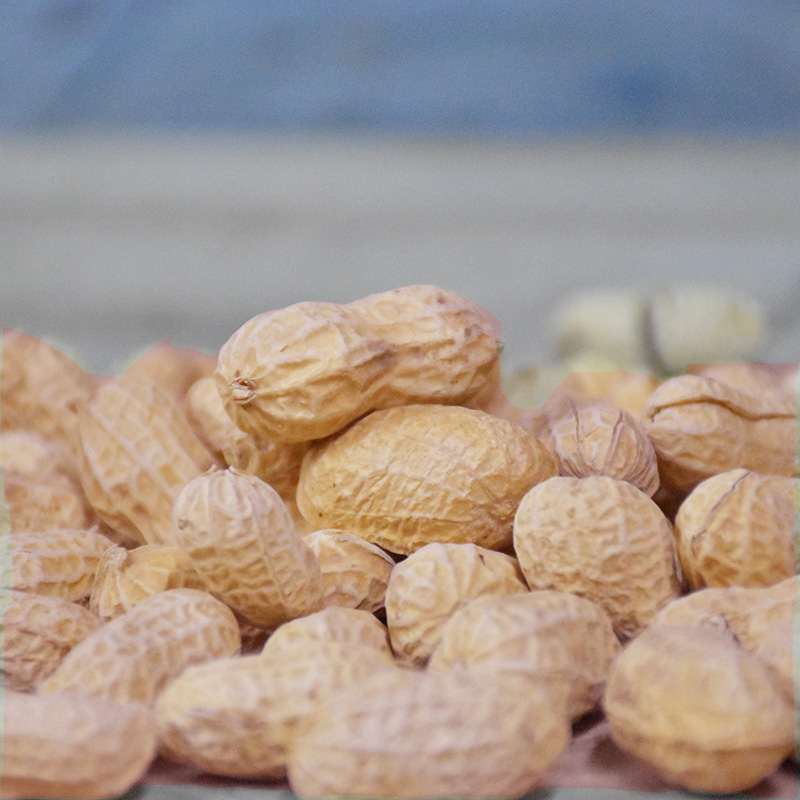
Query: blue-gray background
[(503, 68)]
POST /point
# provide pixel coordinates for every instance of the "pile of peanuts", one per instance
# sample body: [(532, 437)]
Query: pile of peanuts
[(335, 554)]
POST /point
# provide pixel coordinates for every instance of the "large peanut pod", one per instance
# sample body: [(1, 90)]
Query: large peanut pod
[(137, 452), (72, 745), (240, 538), (404, 477), (422, 734), (134, 656), (305, 371), (700, 427)]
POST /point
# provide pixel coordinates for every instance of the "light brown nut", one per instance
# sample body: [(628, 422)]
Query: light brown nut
[(433, 583), (137, 453), (750, 377), (28, 454), (700, 710), (70, 745), (240, 538), (61, 563), (42, 389), (737, 528), (350, 627), (133, 657), (592, 437), (125, 578), (237, 716), (206, 414), (700, 427), (306, 371), (557, 639), (55, 501), (407, 476), (429, 735), (354, 571), (38, 631), (602, 539)]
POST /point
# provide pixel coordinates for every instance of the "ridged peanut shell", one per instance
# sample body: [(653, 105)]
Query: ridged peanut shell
[(556, 639), (700, 710), (56, 501), (38, 632), (71, 745), (429, 735), (431, 584), (138, 451), (404, 477), (736, 528), (355, 572), (600, 538), (700, 427), (240, 538), (133, 657), (306, 371)]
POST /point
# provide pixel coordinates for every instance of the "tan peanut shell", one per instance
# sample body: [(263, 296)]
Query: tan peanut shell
[(700, 710), (600, 538), (428, 735), (29, 454), (71, 745), (431, 584), (38, 631), (404, 477), (61, 562), (355, 572), (138, 451), (700, 427), (557, 639), (305, 371), (597, 438), (132, 658), (56, 501), (240, 538), (126, 578), (237, 716), (737, 528)]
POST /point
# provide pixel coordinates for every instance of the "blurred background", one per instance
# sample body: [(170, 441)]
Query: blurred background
[(170, 169)]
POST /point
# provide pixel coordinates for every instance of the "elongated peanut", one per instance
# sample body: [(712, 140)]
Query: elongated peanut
[(703, 712), (132, 657), (138, 451), (57, 501), (557, 639), (240, 538), (73, 745), (38, 631), (305, 371), (404, 477), (600, 538), (433, 583), (737, 528), (428, 734)]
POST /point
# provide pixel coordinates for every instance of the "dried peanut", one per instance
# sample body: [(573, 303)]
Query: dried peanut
[(737, 528), (433, 583), (138, 451), (28, 454), (557, 639), (306, 371), (125, 578), (600, 538), (61, 563), (38, 631), (404, 477), (701, 427), (57, 501), (354, 571), (240, 538), (132, 658), (703, 712), (423, 734), (752, 377), (72, 745)]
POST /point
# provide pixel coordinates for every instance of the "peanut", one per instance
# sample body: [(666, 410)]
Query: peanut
[(404, 477), (73, 745), (308, 370), (600, 538), (57, 501)]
